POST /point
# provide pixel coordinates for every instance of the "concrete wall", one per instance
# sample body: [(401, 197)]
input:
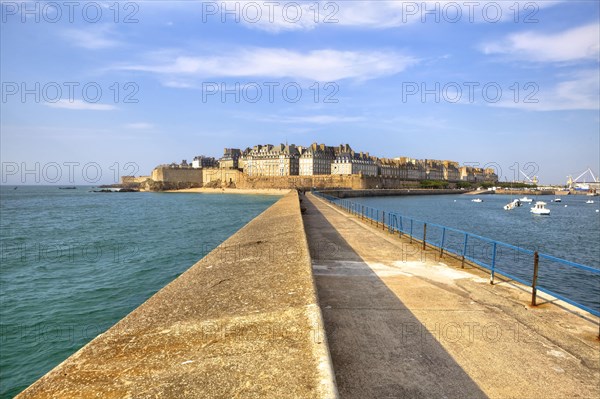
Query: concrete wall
[(242, 322)]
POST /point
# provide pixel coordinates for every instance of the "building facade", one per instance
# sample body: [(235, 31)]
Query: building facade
[(476, 175), (269, 160), (316, 160), (350, 163), (230, 159), (201, 161)]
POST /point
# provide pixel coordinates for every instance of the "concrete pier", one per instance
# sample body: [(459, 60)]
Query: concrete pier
[(242, 323), (402, 323)]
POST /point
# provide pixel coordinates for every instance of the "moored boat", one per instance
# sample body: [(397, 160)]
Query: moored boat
[(512, 205), (540, 208)]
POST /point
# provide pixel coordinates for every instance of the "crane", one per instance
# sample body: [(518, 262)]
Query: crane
[(534, 180), (572, 181)]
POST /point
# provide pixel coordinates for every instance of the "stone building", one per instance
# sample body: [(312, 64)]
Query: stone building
[(434, 169), (476, 175), (351, 163), (316, 160), (230, 159), (269, 160), (411, 169), (390, 168), (451, 170), (203, 162)]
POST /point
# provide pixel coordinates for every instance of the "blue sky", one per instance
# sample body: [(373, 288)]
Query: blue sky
[(495, 83)]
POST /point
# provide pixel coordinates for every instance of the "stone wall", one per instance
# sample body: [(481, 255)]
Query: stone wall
[(132, 180), (213, 177), (177, 175), (222, 177), (389, 192)]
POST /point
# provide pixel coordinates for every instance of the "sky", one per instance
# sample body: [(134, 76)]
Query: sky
[(92, 91)]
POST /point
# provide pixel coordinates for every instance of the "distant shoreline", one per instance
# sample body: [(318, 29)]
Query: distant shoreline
[(257, 191)]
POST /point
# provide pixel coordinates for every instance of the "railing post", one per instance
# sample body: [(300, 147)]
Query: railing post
[(383, 219), (442, 243), (411, 230), (377, 220), (493, 263), (362, 212), (400, 227), (462, 265), (424, 235), (536, 261)]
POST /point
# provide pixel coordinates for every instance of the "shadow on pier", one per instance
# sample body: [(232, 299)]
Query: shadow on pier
[(378, 347)]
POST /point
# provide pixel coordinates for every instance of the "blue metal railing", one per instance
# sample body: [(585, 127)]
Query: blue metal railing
[(541, 272)]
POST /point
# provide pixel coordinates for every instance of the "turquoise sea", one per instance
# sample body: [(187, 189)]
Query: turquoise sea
[(74, 262)]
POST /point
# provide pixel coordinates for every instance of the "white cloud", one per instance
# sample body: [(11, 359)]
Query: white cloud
[(318, 65), (93, 37), (139, 125), (577, 44), (81, 105), (579, 92)]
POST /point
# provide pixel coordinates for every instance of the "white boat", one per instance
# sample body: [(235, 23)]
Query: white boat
[(589, 201), (527, 200), (540, 208), (512, 205), (557, 200), (477, 200)]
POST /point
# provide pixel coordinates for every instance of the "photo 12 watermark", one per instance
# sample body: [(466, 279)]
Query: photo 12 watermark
[(70, 92), (468, 11), (270, 92), (53, 12), (71, 172), (309, 14), (255, 12), (75, 253), (469, 92)]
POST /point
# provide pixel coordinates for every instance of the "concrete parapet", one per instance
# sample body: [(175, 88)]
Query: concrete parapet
[(242, 322)]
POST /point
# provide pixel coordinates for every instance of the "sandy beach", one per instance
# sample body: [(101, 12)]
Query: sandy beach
[(258, 191)]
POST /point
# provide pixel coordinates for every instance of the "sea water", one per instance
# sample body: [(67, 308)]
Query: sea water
[(75, 262)]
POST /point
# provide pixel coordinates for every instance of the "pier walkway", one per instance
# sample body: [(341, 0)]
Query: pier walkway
[(401, 322)]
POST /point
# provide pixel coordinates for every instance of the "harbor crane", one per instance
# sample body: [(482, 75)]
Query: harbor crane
[(534, 180), (571, 182)]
